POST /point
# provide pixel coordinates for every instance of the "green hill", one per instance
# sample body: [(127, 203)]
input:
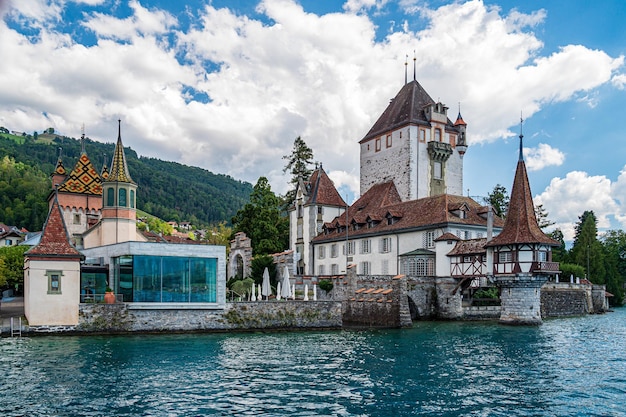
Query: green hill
[(168, 190)]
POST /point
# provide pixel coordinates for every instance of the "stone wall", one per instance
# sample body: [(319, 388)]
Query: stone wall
[(482, 312), (565, 299), (275, 315)]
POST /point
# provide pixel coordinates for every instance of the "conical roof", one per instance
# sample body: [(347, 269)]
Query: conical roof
[(521, 225), (119, 169), (54, 241)]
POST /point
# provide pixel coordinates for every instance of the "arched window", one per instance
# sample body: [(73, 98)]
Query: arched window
[(110, 196), (122, 199), (132, 198)]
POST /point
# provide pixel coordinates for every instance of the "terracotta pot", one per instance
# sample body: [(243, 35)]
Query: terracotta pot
[(109, 298)]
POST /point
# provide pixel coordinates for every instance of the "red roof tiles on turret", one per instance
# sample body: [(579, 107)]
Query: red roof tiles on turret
[(323, 191), (521, 223), (54, 240)]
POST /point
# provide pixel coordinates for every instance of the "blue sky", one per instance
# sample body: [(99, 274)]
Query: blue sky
[(228, 85)]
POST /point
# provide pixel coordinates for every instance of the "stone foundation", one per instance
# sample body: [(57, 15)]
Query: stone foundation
[(520, 297)]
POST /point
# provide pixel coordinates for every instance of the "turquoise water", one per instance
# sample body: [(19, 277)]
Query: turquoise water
[(567, 367)]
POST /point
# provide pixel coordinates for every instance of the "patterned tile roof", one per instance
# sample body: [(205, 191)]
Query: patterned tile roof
[(83, 179), (59, 169), (521, 223), (382, 200), (407, 107), (54, 241), (323, 191), (119, 169)]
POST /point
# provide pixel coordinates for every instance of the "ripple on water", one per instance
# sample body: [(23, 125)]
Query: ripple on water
[(565, 367)]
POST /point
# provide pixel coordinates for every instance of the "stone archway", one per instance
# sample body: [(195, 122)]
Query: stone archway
[(240, 258)]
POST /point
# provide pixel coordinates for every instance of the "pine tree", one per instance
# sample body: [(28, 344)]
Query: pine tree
[(587, 250), (262, 220), (298, 164), (498, 199)]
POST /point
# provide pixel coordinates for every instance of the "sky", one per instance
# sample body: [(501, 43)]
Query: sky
[(228, 85)]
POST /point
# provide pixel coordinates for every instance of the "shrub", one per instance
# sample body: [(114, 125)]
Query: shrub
[(326, 285)]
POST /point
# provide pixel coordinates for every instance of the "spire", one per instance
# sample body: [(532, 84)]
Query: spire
[(82, 139), (119, 169), (406, 64), (414, 66), (521, 138), (104, 173), (459, 118), (54, 241)]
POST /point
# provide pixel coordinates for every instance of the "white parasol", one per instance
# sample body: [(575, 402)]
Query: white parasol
[(286, 289), (266, 289)]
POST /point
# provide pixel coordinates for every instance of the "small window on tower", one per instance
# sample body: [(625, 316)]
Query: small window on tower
[(437, 135), (377, 144), (76, 218), (389, 141), (437, 170)]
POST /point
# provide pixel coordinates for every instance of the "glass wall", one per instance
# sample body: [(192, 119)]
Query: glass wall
[(167, 279)]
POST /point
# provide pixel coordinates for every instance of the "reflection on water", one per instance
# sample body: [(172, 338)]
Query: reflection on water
[(565, 367)]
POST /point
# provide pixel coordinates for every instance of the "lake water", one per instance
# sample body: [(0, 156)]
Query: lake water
[(567, 367)]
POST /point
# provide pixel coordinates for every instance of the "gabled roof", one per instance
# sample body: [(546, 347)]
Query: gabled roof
[(323, 191), (521, 223), (83, 179), (54, 241), (407, 107), (469, 247), (59, 169), (119, 169), (414, 214)]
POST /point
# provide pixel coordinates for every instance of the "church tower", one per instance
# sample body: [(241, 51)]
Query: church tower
[(119, 215), (414, 144)]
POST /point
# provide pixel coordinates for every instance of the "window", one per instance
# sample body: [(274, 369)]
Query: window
[(300, 211), (504, 257), (351, 247), (76, 219), (54, 282), (132, 198), (320, 210), (468, 235), (428, 239), (377, 144), (366, 268), (320, 270), (385, 245), (422, 135), (437, 135), (366, 246), (479, 235), (334, 269), (467, 259), (122, 197), (110, 196), (437, 170), (453, 140), (542, 256), (389, 141), (321, 254), (333, 250)]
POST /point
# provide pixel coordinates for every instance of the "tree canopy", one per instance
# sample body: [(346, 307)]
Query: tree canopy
[(263, 221), (498, 199), (299, 165)]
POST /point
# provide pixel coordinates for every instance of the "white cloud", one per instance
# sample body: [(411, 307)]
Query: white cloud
[(325, 78), (542, 156), (619, 81), (565, 199)]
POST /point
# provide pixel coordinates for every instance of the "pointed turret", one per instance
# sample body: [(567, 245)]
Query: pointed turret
[(60, 173), (119, 169), (55, 240)]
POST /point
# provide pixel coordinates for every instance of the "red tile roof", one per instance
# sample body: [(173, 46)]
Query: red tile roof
[(54, 240), (469, 247), (415, 214), (521, 223), (322, 190)]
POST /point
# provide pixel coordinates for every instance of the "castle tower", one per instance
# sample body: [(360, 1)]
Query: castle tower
[(522, 255), (414, 144), (79, 195), (119, 216), (317, 202), (52, 274)]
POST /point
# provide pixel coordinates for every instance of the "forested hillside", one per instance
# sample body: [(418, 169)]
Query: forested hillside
[(168, 190)]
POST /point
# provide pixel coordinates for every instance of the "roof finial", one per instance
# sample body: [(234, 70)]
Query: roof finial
[(521, 137), (414, 66), (60, 152), (406, 64), (82, 139), (119, 128)]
